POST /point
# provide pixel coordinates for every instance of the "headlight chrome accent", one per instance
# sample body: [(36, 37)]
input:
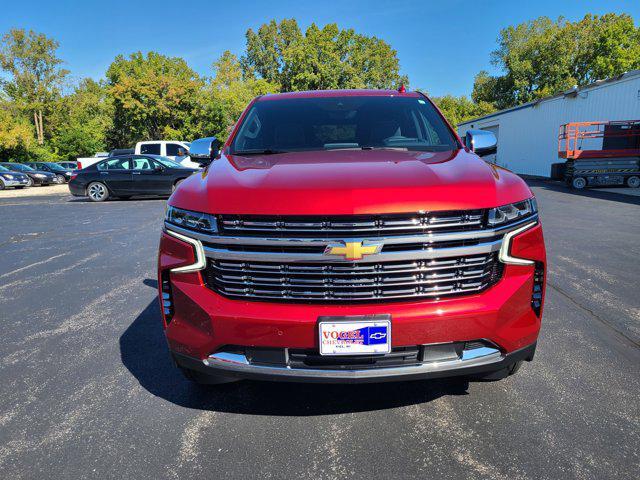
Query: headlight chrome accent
[(506, 214), (200, 262), (200, 222), (504, 256)]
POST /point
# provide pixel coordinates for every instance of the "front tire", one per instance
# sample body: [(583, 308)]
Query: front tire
[(2, 187), (29, 182), (61, 179), (633, 182), (97, 192), (579, 183)]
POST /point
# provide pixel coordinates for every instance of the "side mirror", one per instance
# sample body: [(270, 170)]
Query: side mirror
[(204, 150), (158, 168), (481, 142)]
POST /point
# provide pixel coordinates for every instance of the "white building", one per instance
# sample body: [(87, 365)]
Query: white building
[(528, 134)]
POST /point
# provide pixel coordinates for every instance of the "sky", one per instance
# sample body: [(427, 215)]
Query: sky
[(441, 44)]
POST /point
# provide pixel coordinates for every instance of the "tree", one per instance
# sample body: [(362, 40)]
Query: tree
[(322, 58), (459, 109), (82, 120), (16, 134), (231, 92), (542, 57), (153, 97), (36, 77)]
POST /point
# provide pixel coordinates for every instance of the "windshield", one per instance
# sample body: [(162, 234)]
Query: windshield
[(21, 168), (4, 169), (55, 166), (328, 123), (167, 162)]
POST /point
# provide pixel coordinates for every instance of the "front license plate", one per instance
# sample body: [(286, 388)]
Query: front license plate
[(358, 335)]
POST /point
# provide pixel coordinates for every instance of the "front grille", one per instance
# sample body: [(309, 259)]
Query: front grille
[(352, 281), (351, 226)]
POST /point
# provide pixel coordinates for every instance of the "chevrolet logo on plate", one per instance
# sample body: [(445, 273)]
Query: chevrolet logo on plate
[(353, 250)]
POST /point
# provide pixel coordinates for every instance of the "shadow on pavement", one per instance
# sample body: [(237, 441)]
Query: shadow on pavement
[(557, 186), (144, 352)]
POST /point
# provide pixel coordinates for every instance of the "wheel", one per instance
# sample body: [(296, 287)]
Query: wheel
[(2, 187), (61, 178), (175, 185), (633, 182), (29, 181), (579, 183), (97, 192), (203, 379)]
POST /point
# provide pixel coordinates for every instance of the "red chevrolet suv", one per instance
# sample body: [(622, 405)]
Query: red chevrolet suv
[(350, 236)]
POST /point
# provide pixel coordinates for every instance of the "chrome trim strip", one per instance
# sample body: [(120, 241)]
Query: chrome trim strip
[(504, 256), (200, 262), (226, 254), (324, 242), (238, 363)]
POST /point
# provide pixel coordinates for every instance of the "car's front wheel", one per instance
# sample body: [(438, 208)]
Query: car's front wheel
[(61, 178), (97, 192), (1, 184), (29, 182)]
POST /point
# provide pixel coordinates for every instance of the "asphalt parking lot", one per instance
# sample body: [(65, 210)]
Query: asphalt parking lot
[(88, 390)]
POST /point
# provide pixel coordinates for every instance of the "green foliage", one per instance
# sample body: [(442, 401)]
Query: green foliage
[(153, 97), (16, 133), (35, 76), (460, 109), (542, 57), (82, 120), (322, 58)]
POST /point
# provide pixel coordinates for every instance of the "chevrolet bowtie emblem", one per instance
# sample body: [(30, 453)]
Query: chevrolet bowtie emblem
[(353, 250)]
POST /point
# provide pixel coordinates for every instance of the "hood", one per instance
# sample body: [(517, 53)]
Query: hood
[(346, 182)]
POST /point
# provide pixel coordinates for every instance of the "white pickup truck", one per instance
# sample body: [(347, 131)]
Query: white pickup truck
[(173, 149)]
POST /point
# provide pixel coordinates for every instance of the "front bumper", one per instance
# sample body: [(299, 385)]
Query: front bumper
[(203, 324), (21, 182), (239, 367)]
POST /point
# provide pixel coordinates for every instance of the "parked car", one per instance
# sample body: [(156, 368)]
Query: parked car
[(36, 177), (171, 149), (127, 176), (69, 165), (350, 237), (62, 174), (9, 178)]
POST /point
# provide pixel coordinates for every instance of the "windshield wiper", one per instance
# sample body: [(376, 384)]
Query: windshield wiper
[(257, 151)]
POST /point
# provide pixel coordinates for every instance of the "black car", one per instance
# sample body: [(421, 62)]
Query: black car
[(62, 174), (36, 177), (128, 175)]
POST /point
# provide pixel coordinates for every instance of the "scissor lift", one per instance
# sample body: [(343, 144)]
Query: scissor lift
[(601, 153)]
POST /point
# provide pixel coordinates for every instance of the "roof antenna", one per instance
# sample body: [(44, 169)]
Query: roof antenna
[(402, 89)]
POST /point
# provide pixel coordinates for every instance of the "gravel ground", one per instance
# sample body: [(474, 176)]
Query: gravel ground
[(55, 190), (87, 389)]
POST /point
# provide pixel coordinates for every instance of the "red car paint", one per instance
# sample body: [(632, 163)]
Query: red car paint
[(346, 182)]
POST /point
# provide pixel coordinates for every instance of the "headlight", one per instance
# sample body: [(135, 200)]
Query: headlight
[(203, 222), (40, 175), (510, 213), (8, 176)]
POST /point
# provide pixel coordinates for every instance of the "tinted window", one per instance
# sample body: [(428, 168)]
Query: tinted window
[(150, 148), (114, 164), (142, 163), (173, 149), (300, 124)]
